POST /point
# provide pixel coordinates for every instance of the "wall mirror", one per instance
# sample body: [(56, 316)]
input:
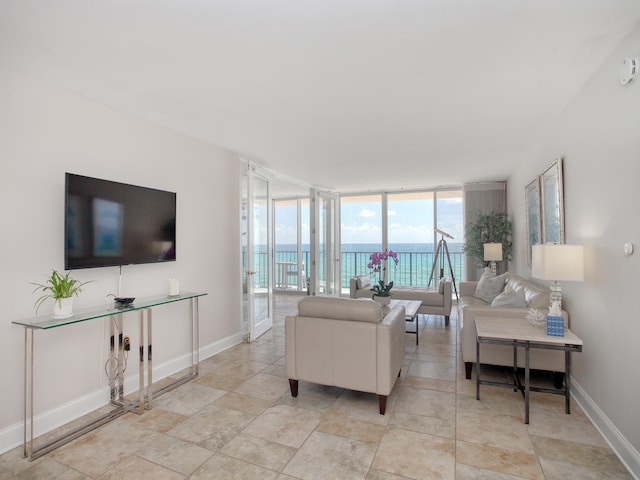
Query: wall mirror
[(551, 192)]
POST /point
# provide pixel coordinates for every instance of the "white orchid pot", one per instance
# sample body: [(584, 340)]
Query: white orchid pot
[(63, 307), (382, 300)]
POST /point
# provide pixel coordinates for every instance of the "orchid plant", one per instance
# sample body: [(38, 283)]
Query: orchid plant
[(378, 265)]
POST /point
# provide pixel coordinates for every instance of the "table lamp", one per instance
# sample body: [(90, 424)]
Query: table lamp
[(557, 262), (493, 254)]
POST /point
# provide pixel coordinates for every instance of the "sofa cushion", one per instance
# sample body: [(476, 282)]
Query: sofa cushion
[(340, 309), (428, 296), (510, 298), (536, 297), (490, 287)]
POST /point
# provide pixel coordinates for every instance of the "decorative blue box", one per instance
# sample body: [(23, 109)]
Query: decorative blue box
[(555, 326)]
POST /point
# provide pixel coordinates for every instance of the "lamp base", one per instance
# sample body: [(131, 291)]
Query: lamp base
[(492, 266), (556, 294)]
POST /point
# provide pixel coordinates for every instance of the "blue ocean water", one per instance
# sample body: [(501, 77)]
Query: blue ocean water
[(416, 265)]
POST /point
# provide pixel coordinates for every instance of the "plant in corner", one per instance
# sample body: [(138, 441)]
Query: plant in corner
[(493, 227), (378, 265), (58, 288)]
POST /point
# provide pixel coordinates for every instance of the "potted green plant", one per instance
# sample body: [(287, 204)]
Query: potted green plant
[(493, 227), (60, 288)]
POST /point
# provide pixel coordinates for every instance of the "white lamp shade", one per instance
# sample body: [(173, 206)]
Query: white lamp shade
[(493, 252), (558, 262)]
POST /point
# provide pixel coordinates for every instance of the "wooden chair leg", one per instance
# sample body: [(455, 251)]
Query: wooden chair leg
[(293, 385), (382, 400)]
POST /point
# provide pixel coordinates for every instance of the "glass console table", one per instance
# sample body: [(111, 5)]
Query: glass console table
[(116, 370)]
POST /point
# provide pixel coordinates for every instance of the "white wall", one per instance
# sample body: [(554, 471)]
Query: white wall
[(598, 135), (44, 132)]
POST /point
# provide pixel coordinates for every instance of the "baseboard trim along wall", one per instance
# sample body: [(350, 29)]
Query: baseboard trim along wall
[(627, 454), (44, 422)]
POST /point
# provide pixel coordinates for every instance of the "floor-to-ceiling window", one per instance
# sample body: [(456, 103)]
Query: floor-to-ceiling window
[(291, 235), (360, 233), (410, 234), (406, 223)]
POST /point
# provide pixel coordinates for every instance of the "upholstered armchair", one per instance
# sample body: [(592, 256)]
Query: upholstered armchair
[(348, 343)]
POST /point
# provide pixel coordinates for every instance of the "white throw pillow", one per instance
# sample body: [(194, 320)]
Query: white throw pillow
[(364, 281), (510, 298), (490, 287)]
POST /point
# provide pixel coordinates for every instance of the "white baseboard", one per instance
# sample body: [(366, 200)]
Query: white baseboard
[(627, 454), (12, 436)]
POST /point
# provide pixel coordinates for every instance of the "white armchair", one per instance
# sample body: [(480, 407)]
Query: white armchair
[(345, 343)]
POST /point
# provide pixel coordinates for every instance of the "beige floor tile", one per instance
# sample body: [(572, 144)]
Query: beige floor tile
[(431, 369), (424, 424), (575, 427), (364, 406), (266, 387), (188, 399), (416, 455), (114, 442), (156, 419), (213, 427), (448, 386), (258, 451), (219, 382), (135, 468), (558, 470), (378, 475), (499, 459), (239, 369), (326, 456), (285, 425), (243, 403), (601, 459), (175, 454), (495, 430), (312, 396), (227, 468), (47, 468), (431, 403), (468, 472), (351, 428)]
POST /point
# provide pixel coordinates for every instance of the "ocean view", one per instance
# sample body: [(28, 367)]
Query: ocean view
[(415, 263)]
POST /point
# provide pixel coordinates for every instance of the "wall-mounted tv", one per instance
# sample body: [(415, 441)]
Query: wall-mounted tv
[(111, 224)]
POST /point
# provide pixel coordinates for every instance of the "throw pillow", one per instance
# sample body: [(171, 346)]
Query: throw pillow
[(510, 298), (364, 281), (489, 287)]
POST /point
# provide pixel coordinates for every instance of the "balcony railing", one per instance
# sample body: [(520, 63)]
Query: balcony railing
[(413, 269)]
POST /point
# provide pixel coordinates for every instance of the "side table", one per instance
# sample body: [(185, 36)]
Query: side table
[(518, 332)]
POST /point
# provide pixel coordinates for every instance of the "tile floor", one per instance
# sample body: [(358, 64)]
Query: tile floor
[(237, 420)]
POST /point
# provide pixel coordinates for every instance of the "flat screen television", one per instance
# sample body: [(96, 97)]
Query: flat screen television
[(112, 224)]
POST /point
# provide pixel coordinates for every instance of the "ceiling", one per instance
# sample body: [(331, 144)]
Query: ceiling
[(346, 95)]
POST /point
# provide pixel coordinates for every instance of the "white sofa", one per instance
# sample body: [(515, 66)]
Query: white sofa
[(470, 307), (435, 301), (345, 343)]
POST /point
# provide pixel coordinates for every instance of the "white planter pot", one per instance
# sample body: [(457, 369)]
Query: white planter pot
[(382, 300), (63, 307)]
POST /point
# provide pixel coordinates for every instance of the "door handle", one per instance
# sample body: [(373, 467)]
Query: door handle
[(251, 273)]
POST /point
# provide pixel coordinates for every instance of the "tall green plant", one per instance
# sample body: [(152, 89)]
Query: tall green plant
[(494, 227)]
